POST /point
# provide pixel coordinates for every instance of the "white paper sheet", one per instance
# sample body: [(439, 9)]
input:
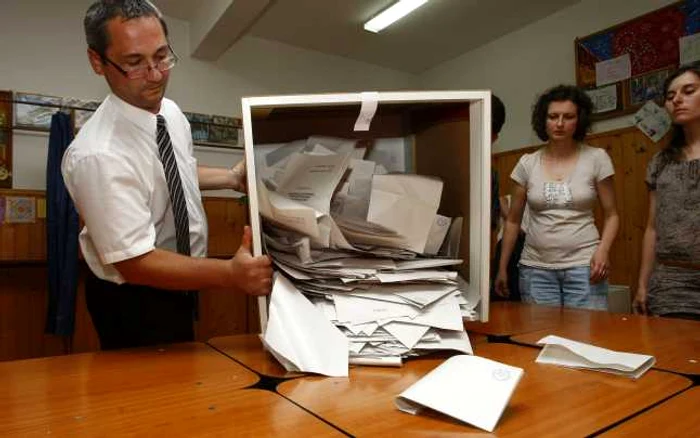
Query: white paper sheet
[(568, 353), (406, 204), (653, 121), (689, 47), (604, 98), (613, 70), (469, 388), (438, 231), (298, 332), (367, 109)]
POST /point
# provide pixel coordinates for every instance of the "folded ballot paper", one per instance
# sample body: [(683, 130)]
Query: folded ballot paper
[(300, 336), (471, 389), (568, 353)]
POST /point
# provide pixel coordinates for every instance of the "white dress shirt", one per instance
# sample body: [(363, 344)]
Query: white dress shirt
[(114, 174)]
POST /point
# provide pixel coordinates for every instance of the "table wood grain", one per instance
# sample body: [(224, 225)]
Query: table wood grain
[(508, 318), (248, 350), (549, 401), (674, 342), (676, 417)]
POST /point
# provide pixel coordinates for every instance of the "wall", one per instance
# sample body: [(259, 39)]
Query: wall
[(522, 64), (43, 51)]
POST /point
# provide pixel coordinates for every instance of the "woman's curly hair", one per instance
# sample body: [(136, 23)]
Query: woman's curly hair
[(563, 93)]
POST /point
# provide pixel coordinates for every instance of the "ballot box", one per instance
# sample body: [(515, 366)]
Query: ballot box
[(443, 135)]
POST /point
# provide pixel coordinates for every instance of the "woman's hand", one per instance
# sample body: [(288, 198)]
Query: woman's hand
[(501, 284), (639, 305), (600, 266)]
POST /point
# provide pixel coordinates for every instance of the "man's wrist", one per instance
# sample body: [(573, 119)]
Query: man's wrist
[(236, 176)]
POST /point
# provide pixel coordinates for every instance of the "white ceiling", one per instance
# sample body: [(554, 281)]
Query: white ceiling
[(435, 33)]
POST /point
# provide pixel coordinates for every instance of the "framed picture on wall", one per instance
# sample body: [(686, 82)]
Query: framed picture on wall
[(647, 87), (34, 111), (216, 131)]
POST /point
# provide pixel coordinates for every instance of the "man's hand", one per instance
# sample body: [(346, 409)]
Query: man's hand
[(251, 275), (238, 177)]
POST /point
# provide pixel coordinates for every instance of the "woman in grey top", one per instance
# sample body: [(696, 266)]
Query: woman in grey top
[(669, 278), (565, 261)]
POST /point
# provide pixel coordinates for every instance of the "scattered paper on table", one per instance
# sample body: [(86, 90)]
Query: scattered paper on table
[(573, 354), (469, 388)]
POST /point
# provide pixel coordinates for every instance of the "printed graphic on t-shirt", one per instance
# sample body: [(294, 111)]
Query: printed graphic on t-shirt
[(557, 194)]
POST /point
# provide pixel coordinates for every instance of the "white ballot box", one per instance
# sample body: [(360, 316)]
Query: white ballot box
[(442, 136)]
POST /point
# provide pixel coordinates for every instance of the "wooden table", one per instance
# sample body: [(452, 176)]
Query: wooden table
[(177, 390), (674, 342), (508, 318), (677, 417), (548, 401), (249, 351)]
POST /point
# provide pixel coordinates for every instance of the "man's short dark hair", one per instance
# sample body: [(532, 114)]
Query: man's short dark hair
[(563, 93), (101, 12), (498, 115)]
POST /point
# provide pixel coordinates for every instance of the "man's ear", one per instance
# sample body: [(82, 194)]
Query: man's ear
[(96, 62)]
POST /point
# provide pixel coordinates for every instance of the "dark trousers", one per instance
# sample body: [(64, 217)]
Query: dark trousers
[(133, 316)]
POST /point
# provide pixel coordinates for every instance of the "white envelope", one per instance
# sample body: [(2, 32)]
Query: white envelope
[(469, 388), (568, 353), (300, 334), (406, 204)]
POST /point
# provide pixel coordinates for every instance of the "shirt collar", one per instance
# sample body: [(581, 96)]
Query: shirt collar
[(145, 120)]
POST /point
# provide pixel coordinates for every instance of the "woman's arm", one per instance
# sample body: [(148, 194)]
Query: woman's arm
[(600, 262), (639, 304)]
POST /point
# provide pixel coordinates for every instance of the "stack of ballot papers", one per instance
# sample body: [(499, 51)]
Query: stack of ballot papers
[(471, 389), (568, 353), (363, 247)]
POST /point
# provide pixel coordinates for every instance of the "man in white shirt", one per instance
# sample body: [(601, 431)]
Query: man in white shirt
[(132, 176)]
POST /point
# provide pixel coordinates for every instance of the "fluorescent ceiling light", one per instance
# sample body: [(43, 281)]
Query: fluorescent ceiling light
[(393, 13)]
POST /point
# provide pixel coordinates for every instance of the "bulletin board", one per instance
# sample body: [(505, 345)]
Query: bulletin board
[(652, 42)]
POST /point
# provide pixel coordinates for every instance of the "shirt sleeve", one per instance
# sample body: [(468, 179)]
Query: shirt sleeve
[(113, 202), (605, 165), (521, 171)]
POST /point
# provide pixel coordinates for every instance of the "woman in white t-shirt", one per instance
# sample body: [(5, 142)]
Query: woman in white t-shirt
[(565, 261)]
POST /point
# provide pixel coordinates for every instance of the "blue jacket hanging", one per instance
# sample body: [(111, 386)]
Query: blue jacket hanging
[(61, 234)]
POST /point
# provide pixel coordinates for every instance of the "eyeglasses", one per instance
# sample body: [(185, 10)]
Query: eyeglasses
[(143, 69)]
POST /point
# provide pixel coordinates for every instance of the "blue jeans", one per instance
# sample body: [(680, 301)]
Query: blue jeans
[(569, 287)]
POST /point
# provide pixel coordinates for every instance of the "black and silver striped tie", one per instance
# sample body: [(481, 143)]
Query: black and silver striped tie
[(177, 198), (177, 195)]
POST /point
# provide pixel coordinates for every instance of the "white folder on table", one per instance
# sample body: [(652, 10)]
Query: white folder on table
[(568, 353), (469, 388)]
